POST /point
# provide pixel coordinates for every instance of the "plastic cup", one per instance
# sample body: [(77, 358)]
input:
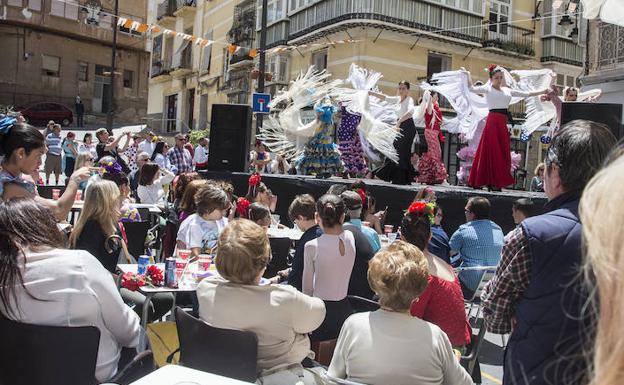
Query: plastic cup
[(56, 193), (203, 263), (179, 270), (392, 237), (184, 254)]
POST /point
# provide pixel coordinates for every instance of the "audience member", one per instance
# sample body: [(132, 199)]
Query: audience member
[(54, 155), (281, 317), (522, 209), (372, 216), (148, 144), (200, 159), (442, 302), (152, 178), (87, 145), (107, 147), (301, 213), (537, 183), (260, 215), (200, 231), (601, 212), (388, 346), (180, 157), (132, 152), (70, 149), (43, 283), (537, 293), (426, 194), (84, 159), (479, 243), (159, 156), (187, 203), (189, 146), (260, 193), (179, 187), (328, 262), (97, 229), (22, 147), (128, 213), (439, 242), (141, 159), (353, 203)]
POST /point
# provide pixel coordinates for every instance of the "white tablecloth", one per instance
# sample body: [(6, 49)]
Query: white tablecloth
[(179, 375)]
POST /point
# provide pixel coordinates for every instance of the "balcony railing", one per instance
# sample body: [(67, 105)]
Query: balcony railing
[(277, 34), (510, 38), (160, 67), (561, 50), (166, 8), (236, 58), (611, 48), (402, 13)]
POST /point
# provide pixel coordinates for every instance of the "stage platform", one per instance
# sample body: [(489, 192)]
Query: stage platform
[(451, 198)]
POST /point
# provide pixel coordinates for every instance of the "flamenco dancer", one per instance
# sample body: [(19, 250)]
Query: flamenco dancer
[(430, 167), (320, 156), (403, 172), (349, 144), (492, 163)]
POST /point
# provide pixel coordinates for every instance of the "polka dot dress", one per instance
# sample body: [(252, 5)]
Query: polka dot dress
[(349, 144)]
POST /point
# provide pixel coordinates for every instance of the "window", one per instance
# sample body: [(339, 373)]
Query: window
[(296, 4), (64, 9), (50, 65), (127, 78), (570, 82), (499, 15), (560, 81), (319, 60), (102, 70), (34, 5), (83, 71), (278, 66), (437, 63), (15, 3)]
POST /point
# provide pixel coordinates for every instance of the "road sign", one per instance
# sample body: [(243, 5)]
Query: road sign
[(260, 103)]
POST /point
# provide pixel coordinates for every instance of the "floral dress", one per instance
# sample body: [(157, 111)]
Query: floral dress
[(320, 155), (430, 167)]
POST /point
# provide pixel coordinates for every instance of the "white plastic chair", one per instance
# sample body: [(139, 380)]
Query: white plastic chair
[(488, 274)]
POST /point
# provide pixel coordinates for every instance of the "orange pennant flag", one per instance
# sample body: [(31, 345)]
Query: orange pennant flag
[(128, 24), (143, 28), (155, 29), (253, 52), (232, 49)]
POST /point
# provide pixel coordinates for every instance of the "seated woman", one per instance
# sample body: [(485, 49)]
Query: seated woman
[(128, 213), (327, 264), (151, 182), (159, 156), (187, 206), (22, 147), (45, 284), (442, 303), (279, 315), (260, 214), (388, 346)]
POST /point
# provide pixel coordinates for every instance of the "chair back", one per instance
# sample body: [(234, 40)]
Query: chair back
[(47, 355), (361, 304), (488, 274), (471, 356), (136, 233), (280, 247), (226, 352)]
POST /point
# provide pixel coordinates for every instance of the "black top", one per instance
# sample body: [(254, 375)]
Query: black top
[(358, 284), (295, 277), (92, 239), (439, 244), (100, 148)]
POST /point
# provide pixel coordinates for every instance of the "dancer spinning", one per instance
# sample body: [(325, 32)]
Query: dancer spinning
[(430, 167), (402, 173), (492, 163)]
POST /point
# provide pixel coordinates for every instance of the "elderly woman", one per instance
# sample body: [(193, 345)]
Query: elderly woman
[(389, 346), (280, 316)]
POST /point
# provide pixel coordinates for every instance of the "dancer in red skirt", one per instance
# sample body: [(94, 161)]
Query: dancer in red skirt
[(492, 163)]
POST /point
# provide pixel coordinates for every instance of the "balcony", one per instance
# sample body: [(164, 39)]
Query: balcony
[(399, 15), (238, 61), (183, 64), (160, 71), (562, 50), (185, 8), (166, 13), (510, 39), (277, 34)]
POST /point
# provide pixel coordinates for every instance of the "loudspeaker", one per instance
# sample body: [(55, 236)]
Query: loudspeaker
[(606, 113), (230, 131)]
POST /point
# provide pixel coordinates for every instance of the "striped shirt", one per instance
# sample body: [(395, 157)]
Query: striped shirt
[(479, 243), (53, 142)]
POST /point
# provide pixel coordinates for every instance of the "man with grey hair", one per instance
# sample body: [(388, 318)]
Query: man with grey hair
[(353, 202), (538, 294), (141, 159)]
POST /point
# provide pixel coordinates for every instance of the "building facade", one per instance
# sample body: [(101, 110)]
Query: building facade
[(56, 50)]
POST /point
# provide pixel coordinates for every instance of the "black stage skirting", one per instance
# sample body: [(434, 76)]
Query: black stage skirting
[(451, 198)]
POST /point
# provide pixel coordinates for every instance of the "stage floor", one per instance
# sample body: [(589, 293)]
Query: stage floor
[(451, 198)]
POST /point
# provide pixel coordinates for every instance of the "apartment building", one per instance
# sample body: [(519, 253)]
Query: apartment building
[(56, 50)]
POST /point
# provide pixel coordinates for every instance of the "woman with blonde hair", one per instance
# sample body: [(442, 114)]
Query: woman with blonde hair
[(279, 315), (98, 222), (537, 183), (601, 213), (388, 346)]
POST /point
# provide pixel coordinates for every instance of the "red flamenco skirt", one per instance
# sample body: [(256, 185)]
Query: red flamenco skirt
[(492, 163)]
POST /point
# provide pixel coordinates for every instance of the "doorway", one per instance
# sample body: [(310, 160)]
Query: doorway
[(172, 111)]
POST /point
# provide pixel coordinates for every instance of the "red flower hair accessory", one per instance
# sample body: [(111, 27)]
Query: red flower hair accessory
[(242, 207), (254, 180), (362, 195), (491, 67), (422, 209)]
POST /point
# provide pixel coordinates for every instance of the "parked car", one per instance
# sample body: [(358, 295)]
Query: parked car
[(41, 113)]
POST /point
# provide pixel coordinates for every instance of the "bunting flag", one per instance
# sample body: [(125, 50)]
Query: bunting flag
[(231, 48)]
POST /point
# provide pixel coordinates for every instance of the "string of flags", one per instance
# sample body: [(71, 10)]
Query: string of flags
[(232, 48)]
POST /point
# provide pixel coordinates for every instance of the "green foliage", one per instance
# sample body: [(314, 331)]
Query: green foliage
[(196, 135)]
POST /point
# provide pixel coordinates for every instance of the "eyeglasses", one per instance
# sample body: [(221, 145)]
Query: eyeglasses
[(467, 211)]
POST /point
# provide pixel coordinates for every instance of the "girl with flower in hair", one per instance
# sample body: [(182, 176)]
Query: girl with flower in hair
[(492, 163), (442, 303)]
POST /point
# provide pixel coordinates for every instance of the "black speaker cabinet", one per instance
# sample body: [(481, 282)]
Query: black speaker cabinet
[(606, 113), (230, 130)]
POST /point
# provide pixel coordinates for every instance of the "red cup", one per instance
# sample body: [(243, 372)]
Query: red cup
[(203, 262), (184, 254)]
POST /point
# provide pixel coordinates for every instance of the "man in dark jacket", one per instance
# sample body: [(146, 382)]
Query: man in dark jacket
[(538, 293)]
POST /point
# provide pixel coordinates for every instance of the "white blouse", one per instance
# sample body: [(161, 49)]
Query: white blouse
[(154, 193), (326, 273), (498, 98), (407, 105), (72, 288)]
